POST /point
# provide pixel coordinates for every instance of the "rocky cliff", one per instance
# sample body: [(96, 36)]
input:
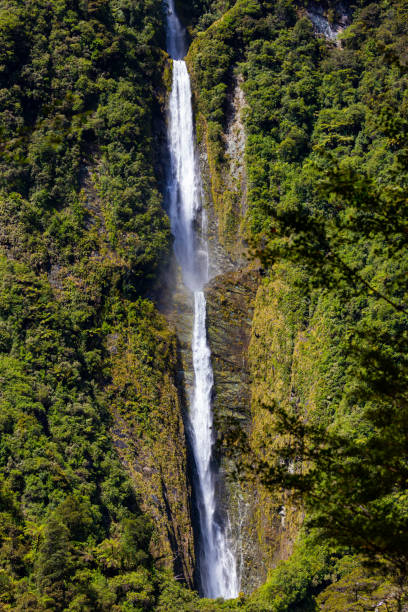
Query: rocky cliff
[(263, 527), (149, 435)]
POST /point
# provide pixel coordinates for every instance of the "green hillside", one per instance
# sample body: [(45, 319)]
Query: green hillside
[(96, 509)]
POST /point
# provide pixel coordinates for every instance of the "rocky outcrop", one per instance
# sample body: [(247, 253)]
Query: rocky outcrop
[(263, 525), (230, 302), (234, 142), (224, 186), (329, 21)]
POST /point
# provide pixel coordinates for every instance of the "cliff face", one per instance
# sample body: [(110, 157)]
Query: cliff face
[(230, 299), (230, 304), (149, 436), (262, 526), (225, 183), (278, 315), (146, 401)]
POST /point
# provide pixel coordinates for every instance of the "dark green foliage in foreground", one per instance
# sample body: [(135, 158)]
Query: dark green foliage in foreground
[(337, 207)]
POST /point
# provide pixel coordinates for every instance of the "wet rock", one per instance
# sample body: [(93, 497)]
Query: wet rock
[(152, 444), (329, 22), (230, 304), (229, 313)]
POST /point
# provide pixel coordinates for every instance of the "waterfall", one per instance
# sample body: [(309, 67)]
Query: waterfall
[(217, 563)]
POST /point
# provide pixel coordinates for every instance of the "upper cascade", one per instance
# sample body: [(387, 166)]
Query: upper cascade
[(175, 35)]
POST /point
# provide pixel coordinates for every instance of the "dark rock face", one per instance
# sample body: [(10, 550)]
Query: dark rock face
[(176, 303), (230, 299), (230, 304), (329, 22), (263, 524)]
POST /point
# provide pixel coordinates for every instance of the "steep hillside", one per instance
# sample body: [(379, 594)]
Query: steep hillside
[(91, 500), (325, 177), (301, 125)]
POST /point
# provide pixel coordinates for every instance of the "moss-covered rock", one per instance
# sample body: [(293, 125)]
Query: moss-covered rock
[(149, 432)]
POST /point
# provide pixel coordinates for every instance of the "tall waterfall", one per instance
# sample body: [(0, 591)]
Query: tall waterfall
[(217, 563)]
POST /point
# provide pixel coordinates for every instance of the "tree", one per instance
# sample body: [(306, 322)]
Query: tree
[(53, 566), (350, 240)]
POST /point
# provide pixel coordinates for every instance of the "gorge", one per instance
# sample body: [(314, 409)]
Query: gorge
[(203, 319), (217, 564)]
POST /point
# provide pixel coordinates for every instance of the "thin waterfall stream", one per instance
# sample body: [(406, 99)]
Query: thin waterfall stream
[(217, 562)]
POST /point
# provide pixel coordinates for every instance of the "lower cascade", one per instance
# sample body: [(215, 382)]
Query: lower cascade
[(217, 562)]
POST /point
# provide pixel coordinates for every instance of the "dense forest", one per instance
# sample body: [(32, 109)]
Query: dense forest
[(82, 233), (95, 501)]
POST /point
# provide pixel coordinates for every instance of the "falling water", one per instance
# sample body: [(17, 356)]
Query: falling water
[(217, 564)]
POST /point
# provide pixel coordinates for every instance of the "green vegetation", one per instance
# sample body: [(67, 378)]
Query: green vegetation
[(326, 161), (77, 99), (337, 210), (200, 14), (82, 235), (72, 536), (91, 434)]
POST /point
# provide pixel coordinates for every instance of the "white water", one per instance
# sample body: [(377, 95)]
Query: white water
[(217, 563)]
